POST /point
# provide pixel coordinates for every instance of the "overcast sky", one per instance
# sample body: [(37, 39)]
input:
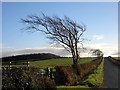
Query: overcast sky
[(100, 18)]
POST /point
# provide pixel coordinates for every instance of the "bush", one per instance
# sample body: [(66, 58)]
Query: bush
[(65, 75), (25, 78)]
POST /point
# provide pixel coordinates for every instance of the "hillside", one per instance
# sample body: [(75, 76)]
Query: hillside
[(39, 56)]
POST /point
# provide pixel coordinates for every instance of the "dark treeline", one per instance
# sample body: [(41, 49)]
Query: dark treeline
[(26, 57)]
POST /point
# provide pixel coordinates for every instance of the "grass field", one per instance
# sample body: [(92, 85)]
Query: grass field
[(118, 58), (54, 62), (59, 61)]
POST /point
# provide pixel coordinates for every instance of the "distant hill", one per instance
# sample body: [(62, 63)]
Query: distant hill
[(27, 57)]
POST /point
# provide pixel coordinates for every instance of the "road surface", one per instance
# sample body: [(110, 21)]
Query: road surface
[(111, 73)]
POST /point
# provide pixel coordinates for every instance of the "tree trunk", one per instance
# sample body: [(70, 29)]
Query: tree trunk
[(75, 59), (73, 56), (74, 62), (76, 49)]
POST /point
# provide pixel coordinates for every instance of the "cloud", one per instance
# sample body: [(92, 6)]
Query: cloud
[(116, 53), (107, 49), (97, 37), (47, 49)]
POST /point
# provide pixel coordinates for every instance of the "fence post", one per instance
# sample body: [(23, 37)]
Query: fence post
[(9, 64), (51, 73), (27, 63), (47, 71)]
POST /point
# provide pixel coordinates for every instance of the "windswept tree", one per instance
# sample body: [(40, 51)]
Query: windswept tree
[(97, 52), (62, 31)]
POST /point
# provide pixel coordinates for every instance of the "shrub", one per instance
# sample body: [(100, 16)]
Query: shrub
[(25, 78), (65, 75)]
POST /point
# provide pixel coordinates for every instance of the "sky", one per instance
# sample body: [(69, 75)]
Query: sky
[(100, 18), (60, 0)]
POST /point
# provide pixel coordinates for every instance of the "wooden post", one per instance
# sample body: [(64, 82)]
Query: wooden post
[(27, 63), (47, 72), (51, 73), (10, 64)]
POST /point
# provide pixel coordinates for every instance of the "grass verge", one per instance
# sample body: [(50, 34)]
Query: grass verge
[(96, 79), (70, 87)]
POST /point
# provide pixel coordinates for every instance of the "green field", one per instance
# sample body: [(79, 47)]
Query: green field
[(54, 62), (118, 58), (59, 61)]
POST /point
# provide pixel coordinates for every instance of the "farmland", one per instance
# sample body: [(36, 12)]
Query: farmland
[(118, 58), (55, 62), (96, 78)]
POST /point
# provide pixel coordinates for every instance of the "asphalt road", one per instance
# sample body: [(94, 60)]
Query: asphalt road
[(111, 75)]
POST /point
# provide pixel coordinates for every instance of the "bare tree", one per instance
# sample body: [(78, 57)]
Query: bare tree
[(63, 31)]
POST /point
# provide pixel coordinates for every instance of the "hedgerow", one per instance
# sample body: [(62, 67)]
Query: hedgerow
[(86, 68), (113, 60), (25, 78), (67, 75)]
